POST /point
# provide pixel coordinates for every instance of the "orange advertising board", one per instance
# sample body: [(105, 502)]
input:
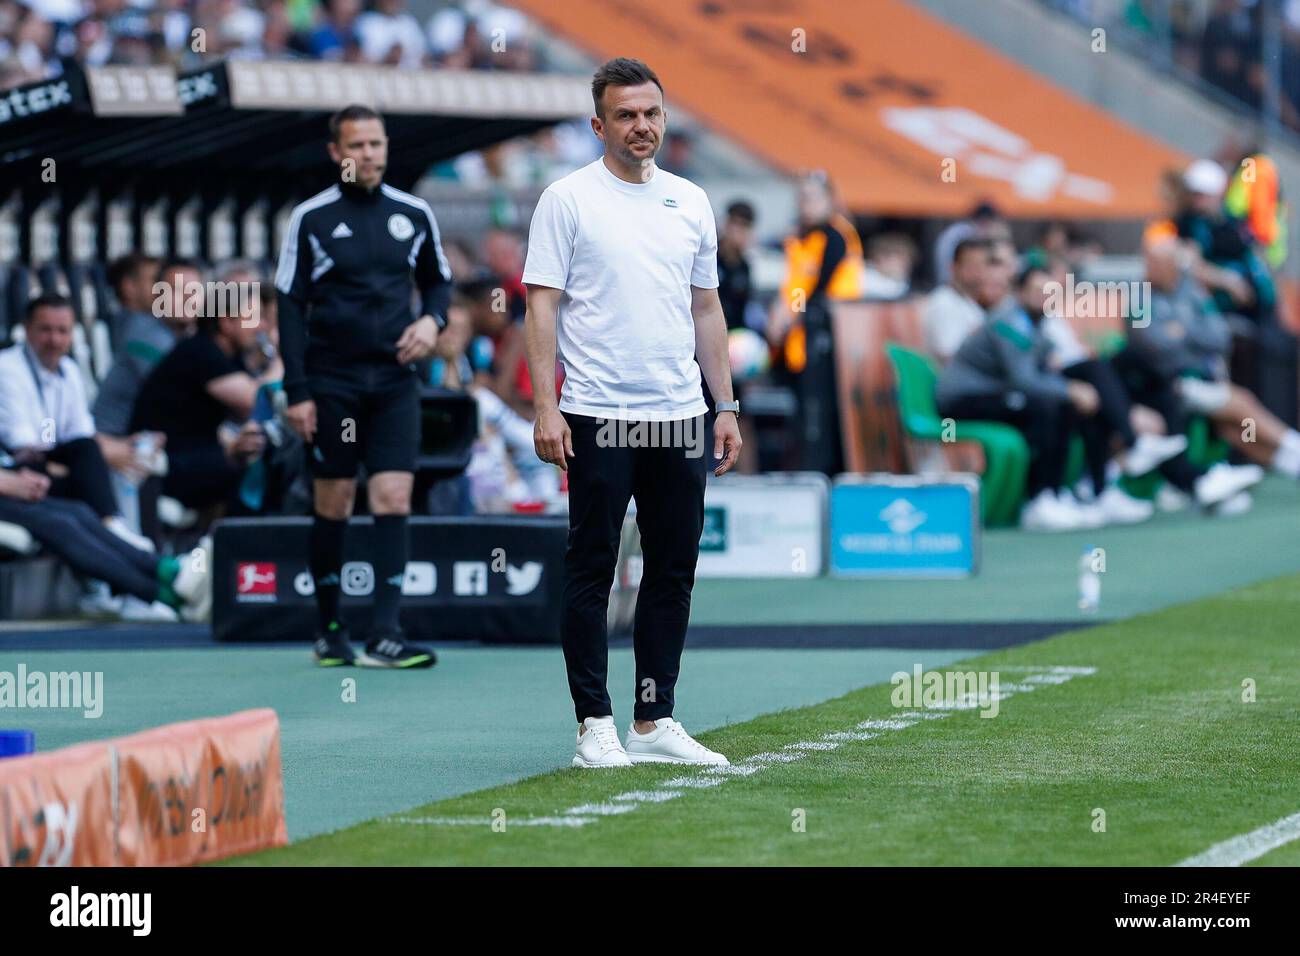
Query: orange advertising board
[(175, 795), (909, 115)]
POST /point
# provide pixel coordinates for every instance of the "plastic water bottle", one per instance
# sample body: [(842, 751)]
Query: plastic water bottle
[(1089, 583)]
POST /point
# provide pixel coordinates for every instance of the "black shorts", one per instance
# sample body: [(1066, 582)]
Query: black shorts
[(379, 427)]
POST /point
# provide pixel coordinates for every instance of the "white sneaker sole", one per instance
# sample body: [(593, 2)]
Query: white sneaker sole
[(587, 765), (662, 758)]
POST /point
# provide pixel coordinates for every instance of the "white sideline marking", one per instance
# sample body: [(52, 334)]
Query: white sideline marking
[(600, 809), (713, 776), (647, 796), (482, 821), (1249, 846)]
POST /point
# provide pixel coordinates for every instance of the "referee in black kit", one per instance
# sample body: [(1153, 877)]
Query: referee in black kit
[(348, 343), (622, 279)]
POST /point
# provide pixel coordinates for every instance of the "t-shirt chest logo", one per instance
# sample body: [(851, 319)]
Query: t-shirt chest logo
[(341, 231), (400, 228), (669, 202)]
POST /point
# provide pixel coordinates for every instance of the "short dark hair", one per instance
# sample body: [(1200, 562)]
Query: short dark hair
[(123, 267), (743, 211), (46, 300), (620, 71), (355, 111), (972, 244)]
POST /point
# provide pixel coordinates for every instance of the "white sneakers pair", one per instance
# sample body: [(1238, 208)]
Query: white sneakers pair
[(599, 746), (1062, 511)]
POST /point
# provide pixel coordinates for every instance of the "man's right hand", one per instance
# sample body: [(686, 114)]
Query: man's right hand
[(1083, 397), (302, 419), (25, 485), (552, 439)]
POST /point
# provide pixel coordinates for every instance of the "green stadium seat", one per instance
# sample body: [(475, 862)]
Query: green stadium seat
[(1006, 455)]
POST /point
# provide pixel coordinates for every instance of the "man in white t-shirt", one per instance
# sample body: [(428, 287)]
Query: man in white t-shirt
[(622, 276)]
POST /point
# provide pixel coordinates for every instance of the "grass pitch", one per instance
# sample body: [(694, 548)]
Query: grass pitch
[(1145, 726)]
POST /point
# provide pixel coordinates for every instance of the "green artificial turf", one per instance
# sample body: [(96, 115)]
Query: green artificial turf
[(1159, 738)]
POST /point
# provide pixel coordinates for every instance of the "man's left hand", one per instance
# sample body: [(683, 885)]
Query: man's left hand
[(726, 438), (418, 340)]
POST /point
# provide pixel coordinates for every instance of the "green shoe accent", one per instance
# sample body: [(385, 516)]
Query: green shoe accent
[(414, 661), (168, 596), (333, 626), (168, 569)]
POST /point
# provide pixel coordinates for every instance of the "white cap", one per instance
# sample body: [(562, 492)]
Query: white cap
[(1205, 177)]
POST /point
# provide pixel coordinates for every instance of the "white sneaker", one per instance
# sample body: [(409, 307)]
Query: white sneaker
[(1149, 452), (1087, 515), (118, 527), (1119, 507), (670, 743), (1238, 504), (99, 601), (1170, 499), (1225, 481), (193, 583), (1045, 513), (600, 746), (134, 609)]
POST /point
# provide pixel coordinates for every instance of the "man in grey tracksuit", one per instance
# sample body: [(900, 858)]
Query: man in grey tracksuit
[(1001, 373)]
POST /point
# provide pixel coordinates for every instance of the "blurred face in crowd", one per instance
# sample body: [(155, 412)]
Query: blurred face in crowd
[(1207, 204), (968, 270), (49, 333), (815, 203), (344, 11), (632, 123), (504, 254), (738, 233), (232, 328), (135, 290), (485, 320), (1164, 263), (362, 150), (1033, 293), (168, 301), (996, 282)]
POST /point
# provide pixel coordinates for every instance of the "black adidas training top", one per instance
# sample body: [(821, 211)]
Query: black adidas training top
[(344, 280)]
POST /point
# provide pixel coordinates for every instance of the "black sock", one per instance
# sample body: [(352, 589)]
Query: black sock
[(326, 561), (392, 546)]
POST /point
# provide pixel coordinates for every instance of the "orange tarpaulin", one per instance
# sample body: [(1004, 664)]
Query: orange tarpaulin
[(882, 95)]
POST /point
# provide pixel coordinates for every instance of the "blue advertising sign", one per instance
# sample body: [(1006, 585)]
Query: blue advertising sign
[(896, 526)]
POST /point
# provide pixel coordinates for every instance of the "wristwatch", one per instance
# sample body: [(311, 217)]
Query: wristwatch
[(727, 407)]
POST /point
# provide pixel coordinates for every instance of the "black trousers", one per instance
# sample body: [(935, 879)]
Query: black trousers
[(73, 532), (1046, 424), (614, 462), (1112, 416), (1148, 387), (87, 479)]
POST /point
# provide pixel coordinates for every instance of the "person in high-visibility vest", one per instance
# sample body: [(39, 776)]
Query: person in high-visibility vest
[(1254, 196), (824, 258)]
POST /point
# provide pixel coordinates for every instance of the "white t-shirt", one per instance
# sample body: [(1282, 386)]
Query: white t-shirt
[(625, 256)]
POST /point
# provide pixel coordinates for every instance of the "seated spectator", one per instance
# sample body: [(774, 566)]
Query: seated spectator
[(389, 34), (951, 311), (984, 222), (1185, 344), (1002, 372), (72, 532), (152, 319), (202, 383), (1109, 428), (45, 419), (891, 256), (336, 31)]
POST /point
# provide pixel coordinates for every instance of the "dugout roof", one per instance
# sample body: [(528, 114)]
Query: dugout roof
[(248, 120)]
